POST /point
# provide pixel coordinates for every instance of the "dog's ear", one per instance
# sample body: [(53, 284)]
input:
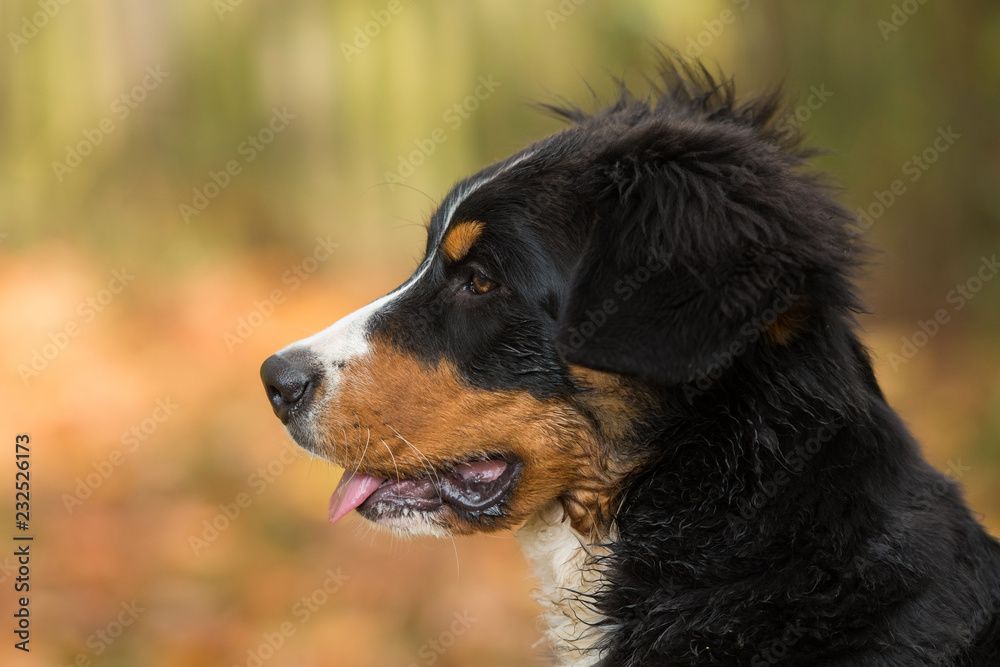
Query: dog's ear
[(688, 259)]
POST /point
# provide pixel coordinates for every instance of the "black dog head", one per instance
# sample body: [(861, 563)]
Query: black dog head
[(562, 292)]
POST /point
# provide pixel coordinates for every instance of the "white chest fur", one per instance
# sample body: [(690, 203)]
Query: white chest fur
[(565, 563)]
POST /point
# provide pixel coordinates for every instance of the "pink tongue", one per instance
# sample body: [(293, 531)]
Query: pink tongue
[(352, 490)]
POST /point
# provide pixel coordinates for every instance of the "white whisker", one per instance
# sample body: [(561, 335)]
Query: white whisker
[(365, 451), (458, 567), (390, 454), (428, 466)]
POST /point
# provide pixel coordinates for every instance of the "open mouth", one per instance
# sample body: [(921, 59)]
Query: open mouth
[(474, 488)]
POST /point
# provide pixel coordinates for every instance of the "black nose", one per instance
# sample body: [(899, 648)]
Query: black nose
[(289, 383)]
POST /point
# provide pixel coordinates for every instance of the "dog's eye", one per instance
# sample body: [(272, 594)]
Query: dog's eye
[(480, 283)]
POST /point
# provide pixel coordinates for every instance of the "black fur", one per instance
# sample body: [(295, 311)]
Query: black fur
[(784, 515)]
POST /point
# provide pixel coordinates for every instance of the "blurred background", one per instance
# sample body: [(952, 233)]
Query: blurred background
[(186, 187)]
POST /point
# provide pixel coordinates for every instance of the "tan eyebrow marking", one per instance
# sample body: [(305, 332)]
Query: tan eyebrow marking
[(458, 241), (787, 325)]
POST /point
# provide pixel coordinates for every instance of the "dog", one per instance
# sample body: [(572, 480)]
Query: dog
[(635, 341)]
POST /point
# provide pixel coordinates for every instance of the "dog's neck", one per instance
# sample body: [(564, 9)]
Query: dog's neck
[(567, 565)]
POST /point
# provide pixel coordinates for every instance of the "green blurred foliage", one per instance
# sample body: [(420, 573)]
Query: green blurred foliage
[(357, 113)]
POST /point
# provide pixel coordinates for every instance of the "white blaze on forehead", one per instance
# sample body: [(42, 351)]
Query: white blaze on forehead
[(347, 338)]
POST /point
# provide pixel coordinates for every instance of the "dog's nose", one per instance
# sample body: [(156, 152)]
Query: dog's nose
[(288, 383)]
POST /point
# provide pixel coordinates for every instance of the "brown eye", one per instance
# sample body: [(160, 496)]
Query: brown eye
[(481, 283)]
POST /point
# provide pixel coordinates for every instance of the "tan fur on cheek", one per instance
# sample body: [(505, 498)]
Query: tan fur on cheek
[(391, 414), (616, 404)]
